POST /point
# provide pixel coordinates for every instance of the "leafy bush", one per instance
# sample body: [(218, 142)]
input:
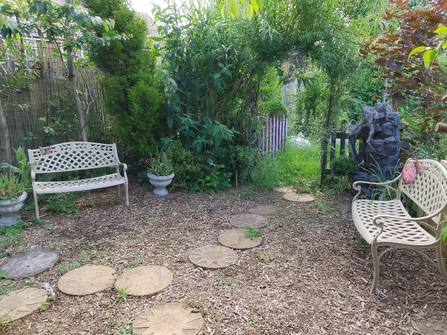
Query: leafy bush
[(343, 166)]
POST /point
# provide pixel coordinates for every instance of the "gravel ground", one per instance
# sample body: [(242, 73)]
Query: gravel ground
[(309, 276)]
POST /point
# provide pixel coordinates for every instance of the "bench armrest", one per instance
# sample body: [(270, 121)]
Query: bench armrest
[(357, 186)]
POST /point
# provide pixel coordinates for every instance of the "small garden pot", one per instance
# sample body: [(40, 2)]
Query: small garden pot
[(160, 183), (9, 210)]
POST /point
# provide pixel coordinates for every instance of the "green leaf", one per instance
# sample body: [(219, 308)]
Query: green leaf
[(429, 55), (441, 29), (249, 11), (416, 50), (255, 6), (233, 8)]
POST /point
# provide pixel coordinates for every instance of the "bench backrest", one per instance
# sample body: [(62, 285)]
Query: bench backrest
[(73, 156), (429, 189)]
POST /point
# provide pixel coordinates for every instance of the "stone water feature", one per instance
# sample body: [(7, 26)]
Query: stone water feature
[(377, 155)]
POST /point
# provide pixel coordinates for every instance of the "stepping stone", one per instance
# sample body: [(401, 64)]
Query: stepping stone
[(168, 319), (30, 263), (213, 257), (286, 189), (87, 279), (144, 280), (248, 220), (263, 210), (235, 239), (19, 303), (303, 197)]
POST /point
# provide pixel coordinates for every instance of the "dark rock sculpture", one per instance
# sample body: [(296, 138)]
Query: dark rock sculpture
[(377, 153)]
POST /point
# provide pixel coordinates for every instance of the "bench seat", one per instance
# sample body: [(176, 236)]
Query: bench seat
[(387, 223)]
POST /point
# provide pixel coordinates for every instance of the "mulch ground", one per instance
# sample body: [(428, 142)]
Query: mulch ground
[(309, 276)]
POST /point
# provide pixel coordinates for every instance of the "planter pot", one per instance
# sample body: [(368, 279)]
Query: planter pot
[(160, 183), (9, 210)]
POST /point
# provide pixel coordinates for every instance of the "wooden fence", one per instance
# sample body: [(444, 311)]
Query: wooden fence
[(43, 111), (274, 133)]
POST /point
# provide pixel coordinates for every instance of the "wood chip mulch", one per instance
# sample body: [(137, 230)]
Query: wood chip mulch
[(309, 276)]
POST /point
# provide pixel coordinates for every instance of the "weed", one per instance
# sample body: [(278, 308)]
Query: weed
[(252, 232), (122, 295), (61, 202), (4, 286), (261, 256), (129, 331), (72, 229), (105, 302), (77, 243), (109, 323), (133, 237), (3, 274), (36, 220), (49, 226), (63, 268), (226, 282), (252, 318), (165, 242), (321, 203), (42, 307), (134, 263), (82, 258)]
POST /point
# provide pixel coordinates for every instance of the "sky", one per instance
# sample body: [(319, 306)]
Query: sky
[(145, 6)]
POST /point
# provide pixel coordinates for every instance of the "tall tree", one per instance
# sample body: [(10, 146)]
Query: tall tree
[(133, 93), (68, 26)]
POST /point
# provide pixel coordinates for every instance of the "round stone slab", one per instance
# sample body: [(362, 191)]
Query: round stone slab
[(213, 257), (87, 279), (17, 304), (263, 210), (248, 220), (168, 319), (30, 263), (298, 197), (235, 239), (144, 280)]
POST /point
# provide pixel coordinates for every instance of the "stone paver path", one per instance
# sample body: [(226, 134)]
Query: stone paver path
[(144, 280), (235, 239), (263, 210), (303, 197), (168, 319), (30, 263), (17, 304), (248, 220), (213, 257), (87, 279)]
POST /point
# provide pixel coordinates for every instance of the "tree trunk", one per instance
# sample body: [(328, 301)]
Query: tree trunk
[(75, 94), (324, 140), (5, 147)]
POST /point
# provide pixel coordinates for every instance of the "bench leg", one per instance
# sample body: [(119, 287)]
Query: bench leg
[(441, 262), (36, 206), (376, 261)]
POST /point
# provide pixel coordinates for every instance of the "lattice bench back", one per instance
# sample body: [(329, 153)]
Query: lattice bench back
[(429, 189), (73, 156)]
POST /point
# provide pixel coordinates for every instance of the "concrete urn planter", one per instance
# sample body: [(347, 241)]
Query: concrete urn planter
[(9, 210), (160, 183)]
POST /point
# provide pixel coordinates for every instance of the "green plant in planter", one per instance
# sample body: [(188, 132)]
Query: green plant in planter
[(161, 165), (17, 179)]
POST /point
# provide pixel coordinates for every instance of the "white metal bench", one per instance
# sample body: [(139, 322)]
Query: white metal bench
[(388, 223), (76, 156)]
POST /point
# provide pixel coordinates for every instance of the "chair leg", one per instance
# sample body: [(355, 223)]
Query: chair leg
[(441, 262), (376, 261)]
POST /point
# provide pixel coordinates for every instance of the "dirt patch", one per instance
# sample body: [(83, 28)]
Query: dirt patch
[(309, 276)]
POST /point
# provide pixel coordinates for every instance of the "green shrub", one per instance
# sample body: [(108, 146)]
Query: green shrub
[(343, 166)]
